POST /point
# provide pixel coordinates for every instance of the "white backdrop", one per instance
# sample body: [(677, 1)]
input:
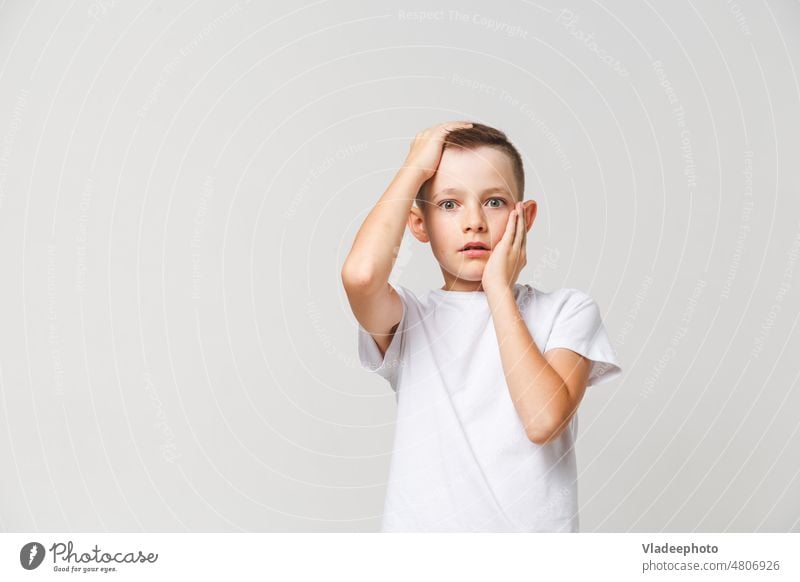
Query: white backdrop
[(180, 183)]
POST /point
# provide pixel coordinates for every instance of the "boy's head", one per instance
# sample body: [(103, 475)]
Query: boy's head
[(475, 137), (476, 185)]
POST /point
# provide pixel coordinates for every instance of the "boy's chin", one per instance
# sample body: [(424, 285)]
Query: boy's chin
[(468, 276)]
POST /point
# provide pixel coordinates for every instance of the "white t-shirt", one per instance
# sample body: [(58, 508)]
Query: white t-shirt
[(461, 460)]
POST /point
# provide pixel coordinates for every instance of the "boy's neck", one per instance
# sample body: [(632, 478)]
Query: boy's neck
[(463, 286)]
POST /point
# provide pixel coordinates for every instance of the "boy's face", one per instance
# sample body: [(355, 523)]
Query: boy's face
[(468, 199)]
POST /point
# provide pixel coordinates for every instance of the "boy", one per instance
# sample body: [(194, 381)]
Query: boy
[(486, 421)]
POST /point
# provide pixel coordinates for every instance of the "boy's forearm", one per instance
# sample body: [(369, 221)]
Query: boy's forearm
[(537, 390), (375, 248)]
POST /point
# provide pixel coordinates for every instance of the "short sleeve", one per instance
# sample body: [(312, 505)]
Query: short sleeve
[(579, 327), (369, 354)]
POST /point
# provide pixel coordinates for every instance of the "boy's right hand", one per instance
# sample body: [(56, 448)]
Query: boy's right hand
[(426, 149)]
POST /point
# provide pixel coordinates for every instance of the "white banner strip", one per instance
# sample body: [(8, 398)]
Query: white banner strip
[(401, 557)]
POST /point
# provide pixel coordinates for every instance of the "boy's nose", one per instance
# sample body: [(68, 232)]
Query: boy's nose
[(474, 220)]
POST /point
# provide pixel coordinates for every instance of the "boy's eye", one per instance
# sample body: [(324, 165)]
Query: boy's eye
[(500, 201)]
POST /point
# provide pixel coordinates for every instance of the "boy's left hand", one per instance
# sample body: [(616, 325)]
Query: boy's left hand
[(508, 257)]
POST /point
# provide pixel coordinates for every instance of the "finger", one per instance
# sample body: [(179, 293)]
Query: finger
[(508, 235), (524, 227), (520, 228), (519, 240), (448, 127), (455, 124)]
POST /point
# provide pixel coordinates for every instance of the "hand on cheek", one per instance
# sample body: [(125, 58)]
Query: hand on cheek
[(508, 256)]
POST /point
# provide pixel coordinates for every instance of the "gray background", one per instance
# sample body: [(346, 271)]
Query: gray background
[(180, 183)]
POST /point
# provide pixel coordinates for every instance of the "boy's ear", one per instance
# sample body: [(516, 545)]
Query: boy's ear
[(416, 223), (529, 210)]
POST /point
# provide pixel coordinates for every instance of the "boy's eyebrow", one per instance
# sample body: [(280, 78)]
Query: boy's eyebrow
[(455, 190)]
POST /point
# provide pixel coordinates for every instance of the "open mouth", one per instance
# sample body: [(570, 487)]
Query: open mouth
[(475, 249), (475, 246)]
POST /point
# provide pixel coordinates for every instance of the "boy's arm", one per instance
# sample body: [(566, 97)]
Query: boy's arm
[(545, 389), (365, 273)]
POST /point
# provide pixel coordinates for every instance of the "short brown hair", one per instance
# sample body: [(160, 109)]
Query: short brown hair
[(478, 135)]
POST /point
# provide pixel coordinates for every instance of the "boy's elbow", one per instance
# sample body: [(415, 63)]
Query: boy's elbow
[(354, 277), (542, 434), (540, 437), (547, 425), (357, 278)]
